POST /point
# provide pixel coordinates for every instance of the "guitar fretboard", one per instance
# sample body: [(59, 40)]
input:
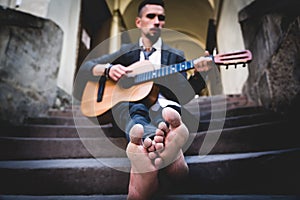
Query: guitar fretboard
[(164, 71)]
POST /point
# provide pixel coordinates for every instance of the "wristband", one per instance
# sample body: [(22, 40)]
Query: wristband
[(107, 69)]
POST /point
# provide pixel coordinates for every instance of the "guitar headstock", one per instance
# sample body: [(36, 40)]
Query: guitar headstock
[(233, 58)]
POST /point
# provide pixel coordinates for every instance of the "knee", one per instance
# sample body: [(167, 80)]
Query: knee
[(138, 109)]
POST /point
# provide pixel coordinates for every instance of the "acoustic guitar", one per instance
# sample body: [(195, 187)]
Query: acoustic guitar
[(99, 99)]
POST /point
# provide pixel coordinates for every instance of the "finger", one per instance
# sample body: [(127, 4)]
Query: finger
[(127, 70), (123, 69), (204, 63), (115, 77)]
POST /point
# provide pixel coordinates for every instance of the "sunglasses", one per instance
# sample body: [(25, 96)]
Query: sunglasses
[(152, 16)]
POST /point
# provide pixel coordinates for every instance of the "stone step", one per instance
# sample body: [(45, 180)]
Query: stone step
[(59, 131), (258, 137), (238, 120), (50, 131), (230, 121), (58, 148), (233, 112), (220, 104), (62, 113), (59, 120), (165, 197), (57, 126), (271, 172), (191, 106), (217, 113), (249, 138), (228, 112)]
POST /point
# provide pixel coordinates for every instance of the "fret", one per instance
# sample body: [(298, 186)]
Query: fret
[(178, 67), (159, 72), (139, 78), (190, 64), (172, 69), (148, 77), (182, 66), (154, 74)]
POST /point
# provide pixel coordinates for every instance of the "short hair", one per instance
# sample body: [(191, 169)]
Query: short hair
[(155, 2)]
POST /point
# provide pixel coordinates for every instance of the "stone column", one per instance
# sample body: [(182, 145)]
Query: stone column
[(271, 30), (30, 50)]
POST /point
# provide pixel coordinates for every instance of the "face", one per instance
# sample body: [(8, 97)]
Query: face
[(151, 20)]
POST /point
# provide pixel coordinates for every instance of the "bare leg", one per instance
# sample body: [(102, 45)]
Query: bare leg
[(143, 175)]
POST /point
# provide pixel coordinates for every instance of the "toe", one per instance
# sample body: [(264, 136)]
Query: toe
[(159, 146), (136, 134), (158, 162), (159, 139), (147, 143), (152, 155), (163, 127), (172, 117)]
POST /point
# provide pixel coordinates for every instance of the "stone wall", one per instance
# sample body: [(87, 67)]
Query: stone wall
[(30, 50), (271, 30)]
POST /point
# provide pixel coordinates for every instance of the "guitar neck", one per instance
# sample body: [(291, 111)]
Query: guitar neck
[(237, 57), (164, 71)]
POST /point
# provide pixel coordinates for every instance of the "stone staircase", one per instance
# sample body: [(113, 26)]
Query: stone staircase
[(240, 151)]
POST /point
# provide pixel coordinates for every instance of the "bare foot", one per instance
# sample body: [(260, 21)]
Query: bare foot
[(178, 170), (143, 175), (175, 138)]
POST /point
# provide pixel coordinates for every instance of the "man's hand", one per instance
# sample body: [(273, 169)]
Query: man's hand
[(117, 71), (203, 63)]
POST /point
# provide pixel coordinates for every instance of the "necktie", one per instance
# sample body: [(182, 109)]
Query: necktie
[(147, 53)]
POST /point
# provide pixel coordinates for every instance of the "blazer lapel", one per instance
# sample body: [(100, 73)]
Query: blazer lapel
[(131, 56)]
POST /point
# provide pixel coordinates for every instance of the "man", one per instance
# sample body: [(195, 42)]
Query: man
[(155, 132)]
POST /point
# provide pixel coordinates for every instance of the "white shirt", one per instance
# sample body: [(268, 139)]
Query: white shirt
[(155, 58)]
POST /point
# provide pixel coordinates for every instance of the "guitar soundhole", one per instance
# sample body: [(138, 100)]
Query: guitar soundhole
[(126, 82)]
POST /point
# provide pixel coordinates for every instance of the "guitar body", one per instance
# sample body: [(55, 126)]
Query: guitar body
[(114, 93)]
